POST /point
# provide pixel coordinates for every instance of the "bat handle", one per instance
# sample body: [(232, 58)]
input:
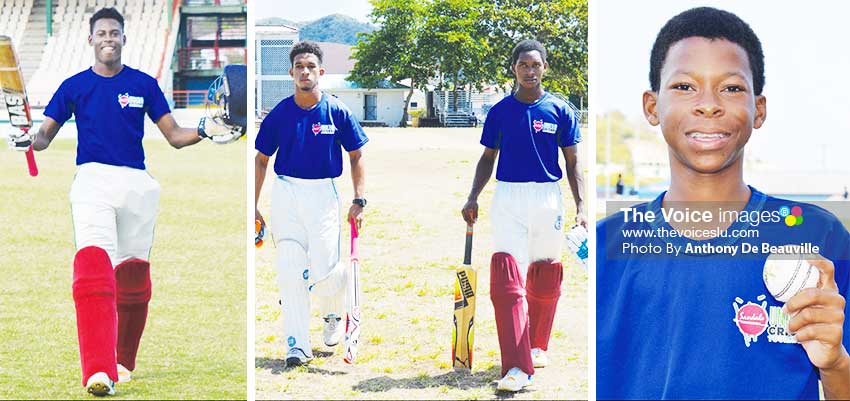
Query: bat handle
[(33, 168), (354, 239), (467, 252)]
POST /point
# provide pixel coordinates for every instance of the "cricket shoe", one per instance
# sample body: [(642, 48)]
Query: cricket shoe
[(124, 374), (515, 380), (296, 357), (538, 358), (334, 330), (99, 384)]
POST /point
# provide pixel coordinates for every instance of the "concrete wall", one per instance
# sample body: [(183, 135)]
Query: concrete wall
[(390, 103)]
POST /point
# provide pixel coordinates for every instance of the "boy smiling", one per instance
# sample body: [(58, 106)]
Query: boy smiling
[(665, 328)]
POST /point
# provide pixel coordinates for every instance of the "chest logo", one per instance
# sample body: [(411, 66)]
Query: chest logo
[(323, 129), (133, 101), (754, 319), (547, 128)]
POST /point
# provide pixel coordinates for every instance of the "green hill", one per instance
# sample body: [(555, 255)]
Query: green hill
[(335, 28)]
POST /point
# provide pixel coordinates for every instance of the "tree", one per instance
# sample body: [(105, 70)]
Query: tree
[(560, 25), (391, 52)]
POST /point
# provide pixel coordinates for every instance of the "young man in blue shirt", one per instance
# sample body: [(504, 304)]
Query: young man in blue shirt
[(688, 315), (114, 200), (308, 131), (526, 131)]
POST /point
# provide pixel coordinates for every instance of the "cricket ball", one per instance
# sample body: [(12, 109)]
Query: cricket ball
[(786, 275)]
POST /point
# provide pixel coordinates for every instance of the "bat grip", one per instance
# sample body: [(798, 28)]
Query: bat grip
[(354, 240), (33, 168), (467, 252)]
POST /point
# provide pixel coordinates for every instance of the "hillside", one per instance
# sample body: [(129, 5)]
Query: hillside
[(335, 28)]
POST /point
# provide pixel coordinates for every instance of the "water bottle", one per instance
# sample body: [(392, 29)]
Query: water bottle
[(577, 243)]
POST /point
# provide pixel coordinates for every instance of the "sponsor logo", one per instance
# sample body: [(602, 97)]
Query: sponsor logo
[(17, 109), (547, 128), (323, 129), (559, 222), (133, 101), (793, 215), (290, 341), (754, 319)]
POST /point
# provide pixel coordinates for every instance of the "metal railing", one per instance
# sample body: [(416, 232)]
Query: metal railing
[(207, 58), (184, 99)]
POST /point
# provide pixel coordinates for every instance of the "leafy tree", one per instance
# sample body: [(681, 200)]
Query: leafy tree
[(392, 52), (560, 25)]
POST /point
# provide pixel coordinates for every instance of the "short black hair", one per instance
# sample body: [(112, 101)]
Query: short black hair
[(709, 23), (305, 46), (110, 13), (527, 46)]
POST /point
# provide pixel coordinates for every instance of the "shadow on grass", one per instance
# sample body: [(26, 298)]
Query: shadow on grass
[(278, 366), (457, 379)]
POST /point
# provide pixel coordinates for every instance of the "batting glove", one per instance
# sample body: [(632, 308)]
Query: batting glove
[(18, 139), (218, 133)]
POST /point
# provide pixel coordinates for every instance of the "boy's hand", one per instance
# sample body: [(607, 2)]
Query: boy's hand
[(818, 319)]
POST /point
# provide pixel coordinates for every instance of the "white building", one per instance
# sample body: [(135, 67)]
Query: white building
[(371, 106), (273, 82)]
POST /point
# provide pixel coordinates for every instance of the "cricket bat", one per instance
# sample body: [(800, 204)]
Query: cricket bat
[(464, 320), (15, 94), (355, 296)]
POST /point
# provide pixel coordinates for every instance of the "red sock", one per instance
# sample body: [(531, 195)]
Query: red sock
[(94, 298), (133, 282), (506, 292), (544, 289)]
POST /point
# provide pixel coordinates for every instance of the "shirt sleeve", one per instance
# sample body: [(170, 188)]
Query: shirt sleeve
[(491, 135), (349, 131), (157, 105), (267, 140), (570, 134), (61, 105)]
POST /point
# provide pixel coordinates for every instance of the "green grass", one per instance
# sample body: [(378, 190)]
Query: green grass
[(194, 343), (411, 243)]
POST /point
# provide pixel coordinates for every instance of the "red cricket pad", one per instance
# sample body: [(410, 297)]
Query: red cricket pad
[(94, 298), (133, 285), (507, 292), (544, 289)]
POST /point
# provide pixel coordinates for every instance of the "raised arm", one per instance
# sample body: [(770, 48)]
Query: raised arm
[(46, 132), (177, 136)]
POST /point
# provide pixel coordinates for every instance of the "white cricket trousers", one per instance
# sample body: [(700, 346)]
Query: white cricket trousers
[(528, 220), (114, 208), (305, 225)]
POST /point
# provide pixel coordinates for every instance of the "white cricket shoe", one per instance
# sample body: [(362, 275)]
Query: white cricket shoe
[(515, 380), (334, 330), (296, 357), (99, 384), (124, 374), (538, 358)]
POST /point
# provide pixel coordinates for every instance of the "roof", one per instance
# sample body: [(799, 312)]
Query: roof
[(267, 29), (337, 58), (338, 81)]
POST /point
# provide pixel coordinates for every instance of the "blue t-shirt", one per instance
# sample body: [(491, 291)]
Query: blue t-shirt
[(309, 142), (110, 114), (702, 324), (529, 137)]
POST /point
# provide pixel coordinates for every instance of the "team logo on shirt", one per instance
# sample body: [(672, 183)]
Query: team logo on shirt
[(133, 101), (547, 128), (754, 319), (327, 129)]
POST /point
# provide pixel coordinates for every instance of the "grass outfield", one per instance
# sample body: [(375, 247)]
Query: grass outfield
[(194, 344), (417, 182)]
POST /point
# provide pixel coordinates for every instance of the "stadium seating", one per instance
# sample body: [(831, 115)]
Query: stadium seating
[(67, 51), (13, 18)]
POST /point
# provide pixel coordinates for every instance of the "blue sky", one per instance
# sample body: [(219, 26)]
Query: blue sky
[(299, 11)]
